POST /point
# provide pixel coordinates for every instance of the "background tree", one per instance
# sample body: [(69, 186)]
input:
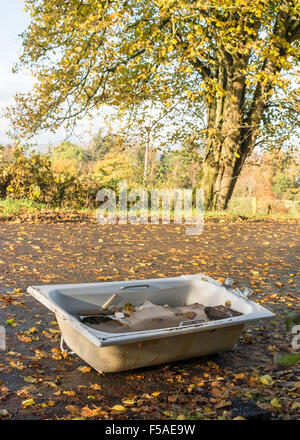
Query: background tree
[(68, 156), (180, 168), (103, 143), (235, 56)]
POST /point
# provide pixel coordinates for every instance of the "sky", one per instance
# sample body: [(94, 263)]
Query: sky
[(14, 21)]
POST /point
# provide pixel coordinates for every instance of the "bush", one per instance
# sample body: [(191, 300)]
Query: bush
[(68, 156), (31, 177), (281, 184)]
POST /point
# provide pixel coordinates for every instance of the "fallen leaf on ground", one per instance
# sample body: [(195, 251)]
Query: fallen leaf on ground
[(85, 369), (28, 402), (30, 379), (266, 380), (223, 404), (70, 393), (120, 408), (275, 403)]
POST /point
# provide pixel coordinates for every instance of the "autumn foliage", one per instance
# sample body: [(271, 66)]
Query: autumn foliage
[(31, 176), (70, 176)]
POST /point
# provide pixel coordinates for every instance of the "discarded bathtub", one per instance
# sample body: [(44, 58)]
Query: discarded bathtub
[(112, 351)]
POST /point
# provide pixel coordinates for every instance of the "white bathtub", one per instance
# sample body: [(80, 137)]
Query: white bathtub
[(111, 352)]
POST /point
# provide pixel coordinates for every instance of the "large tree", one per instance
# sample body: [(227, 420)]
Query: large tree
[(234, 56)]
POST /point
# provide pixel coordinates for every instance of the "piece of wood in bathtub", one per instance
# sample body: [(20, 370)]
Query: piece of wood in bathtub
[(220, 312)]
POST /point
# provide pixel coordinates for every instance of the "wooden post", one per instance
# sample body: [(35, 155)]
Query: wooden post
[(254, 205)]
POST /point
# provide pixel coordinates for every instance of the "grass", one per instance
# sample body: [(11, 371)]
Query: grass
[(13, 207), (278, 208), (235, 214)]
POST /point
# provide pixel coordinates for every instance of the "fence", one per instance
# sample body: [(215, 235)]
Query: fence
[(264, 206)]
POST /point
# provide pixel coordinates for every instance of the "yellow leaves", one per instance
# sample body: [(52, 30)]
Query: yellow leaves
[(56, 354), (30, 379), (239, 418), (190, 95), (190, 36), (84, 369), (295, 405), (33, 330), (49, 403), (181, 417), (69, 393), (11, 322), (95, 386), (128, 402), (163, 51), (201, 262), (54, 331), (191, 387), (40, 353), (119, 408), (156, 393), (87, 412), (27, 403), (221, 93), (266, 380), (247, 339), (50, 384), (23, 392), (239, 376), (275, 403), (18, 365)]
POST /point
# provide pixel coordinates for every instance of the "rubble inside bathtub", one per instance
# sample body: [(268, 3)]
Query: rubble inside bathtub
[(150, 316)]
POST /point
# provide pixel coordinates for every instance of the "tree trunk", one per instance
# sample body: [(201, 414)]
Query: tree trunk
[(232, 127), (226, 149), (219, 181)]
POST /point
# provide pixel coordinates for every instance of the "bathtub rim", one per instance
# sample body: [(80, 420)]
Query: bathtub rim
[(102, 339)]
